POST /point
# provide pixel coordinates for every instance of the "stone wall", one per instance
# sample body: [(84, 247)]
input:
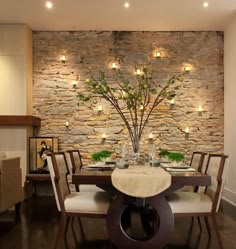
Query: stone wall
[(55, 100)]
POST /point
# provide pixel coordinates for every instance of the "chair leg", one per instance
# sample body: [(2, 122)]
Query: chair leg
[(199, 223), (208, 226), (60, 231), (81, 229), (68, 219), (217, 230), (17, 212)]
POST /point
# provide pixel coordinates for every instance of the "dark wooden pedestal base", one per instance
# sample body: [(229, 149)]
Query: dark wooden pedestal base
[(123, 241)]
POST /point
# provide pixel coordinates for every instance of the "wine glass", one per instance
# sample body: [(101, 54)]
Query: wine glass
[(124, 151), (152, 153)]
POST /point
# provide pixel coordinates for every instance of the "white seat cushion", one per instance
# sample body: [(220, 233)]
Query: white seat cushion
[(89, 188), (187, 202), (88, 202), (83, 187)]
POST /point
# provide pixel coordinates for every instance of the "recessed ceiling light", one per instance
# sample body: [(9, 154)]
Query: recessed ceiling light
[(49, 5), (205, 5), (126, 5)]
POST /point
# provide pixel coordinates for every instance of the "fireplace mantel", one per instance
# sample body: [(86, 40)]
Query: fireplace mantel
[(27, 120)]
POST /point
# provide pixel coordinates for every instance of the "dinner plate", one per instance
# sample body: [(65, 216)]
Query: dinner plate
[(189, 169), (98, 167), (179, 166)]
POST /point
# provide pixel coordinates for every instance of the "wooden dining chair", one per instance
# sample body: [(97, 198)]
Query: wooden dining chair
[(74, 161), (195, 204), (197, 160), (80, 204)]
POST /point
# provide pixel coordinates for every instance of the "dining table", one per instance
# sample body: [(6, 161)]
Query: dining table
[(156, 204)]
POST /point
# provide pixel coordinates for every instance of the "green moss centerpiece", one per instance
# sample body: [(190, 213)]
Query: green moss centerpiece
[(101, 156), (174, 157)]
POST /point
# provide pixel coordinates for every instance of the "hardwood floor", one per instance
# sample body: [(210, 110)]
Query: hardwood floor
[(38, 225)]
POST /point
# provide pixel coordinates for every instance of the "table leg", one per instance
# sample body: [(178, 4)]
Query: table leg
[(123, 241)]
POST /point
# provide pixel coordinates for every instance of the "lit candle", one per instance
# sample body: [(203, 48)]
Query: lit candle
[(141, 107), (150, 135), (187, 129), (104, 135), (74, 83), (138, 71), (100, 108), (200, 108), (158, 54), (67, 123), (172, 101), (113, 65), (63, 58), (187, 69)]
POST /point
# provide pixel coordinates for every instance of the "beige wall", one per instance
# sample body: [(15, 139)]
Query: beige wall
[(16, 87), (230, 110)]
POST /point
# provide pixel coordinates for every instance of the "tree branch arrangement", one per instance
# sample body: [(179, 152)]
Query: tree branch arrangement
[(133, 100)]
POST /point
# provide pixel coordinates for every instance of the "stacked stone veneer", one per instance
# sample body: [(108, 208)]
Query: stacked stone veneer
[(55, 99)]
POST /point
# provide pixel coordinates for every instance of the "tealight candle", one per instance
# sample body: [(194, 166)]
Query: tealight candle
[(100, 108), (187, 130), (67, 123), (104, 135), (113, 65), (74, 83), (63, 58), (138, 71), (150, 135), (158, 54), (200, 108), (172, 101), (187, 69)]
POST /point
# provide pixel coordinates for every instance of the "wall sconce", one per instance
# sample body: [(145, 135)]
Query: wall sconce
[(67, 123), (114, 65), (187, 69), (138, 71), (158, 54), (63, 58)]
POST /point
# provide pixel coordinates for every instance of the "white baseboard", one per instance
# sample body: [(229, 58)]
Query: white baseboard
[(229, 196)]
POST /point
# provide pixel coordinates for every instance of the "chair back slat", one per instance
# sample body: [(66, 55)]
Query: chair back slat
[(75, 159), (215, 168), (52, 175), (197, 160), (61, 171)]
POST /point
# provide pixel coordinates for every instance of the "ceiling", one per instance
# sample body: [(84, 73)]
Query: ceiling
[(146, 15)]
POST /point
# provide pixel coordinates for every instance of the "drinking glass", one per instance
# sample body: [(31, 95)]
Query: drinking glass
[(124, 152), (152, 153)]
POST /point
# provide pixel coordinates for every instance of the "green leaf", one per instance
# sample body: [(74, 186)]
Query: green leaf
[(154, 91)]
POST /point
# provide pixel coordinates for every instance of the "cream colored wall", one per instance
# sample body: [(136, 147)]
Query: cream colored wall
[(230, 111), (16, 88)]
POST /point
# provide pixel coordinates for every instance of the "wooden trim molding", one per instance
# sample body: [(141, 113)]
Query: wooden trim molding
[(20, 120)]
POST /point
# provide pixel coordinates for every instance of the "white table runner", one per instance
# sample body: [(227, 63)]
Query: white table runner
[(141, 181)]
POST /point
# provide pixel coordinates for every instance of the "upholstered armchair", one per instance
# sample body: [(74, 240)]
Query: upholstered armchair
[(11, 190)]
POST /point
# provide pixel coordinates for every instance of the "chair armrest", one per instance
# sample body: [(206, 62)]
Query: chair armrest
[(11, 190)]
